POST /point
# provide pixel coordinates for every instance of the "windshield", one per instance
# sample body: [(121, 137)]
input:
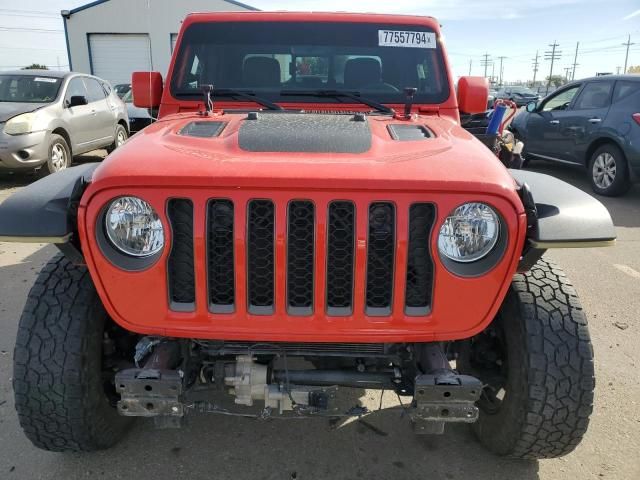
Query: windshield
[(128, 97), (377, 61), (29, 88)]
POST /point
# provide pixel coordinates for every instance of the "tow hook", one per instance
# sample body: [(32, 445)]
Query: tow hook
[(441, 395)]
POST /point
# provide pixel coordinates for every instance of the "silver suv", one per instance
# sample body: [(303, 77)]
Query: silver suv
[(47, 117)]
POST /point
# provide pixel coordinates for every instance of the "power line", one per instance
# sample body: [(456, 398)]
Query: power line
[(35, 30), (552, 55), (626, 56)]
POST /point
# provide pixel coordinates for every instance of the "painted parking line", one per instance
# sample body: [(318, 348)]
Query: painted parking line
[(628, 270)]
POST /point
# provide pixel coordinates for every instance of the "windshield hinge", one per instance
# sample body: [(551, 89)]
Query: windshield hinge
[(430, 110)]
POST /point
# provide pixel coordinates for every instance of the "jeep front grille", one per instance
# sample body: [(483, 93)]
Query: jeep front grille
[(316, 264), (182, 292)]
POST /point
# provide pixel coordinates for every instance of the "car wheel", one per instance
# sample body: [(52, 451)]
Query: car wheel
[(59, 156), (536, 362), (119, 138), (66, 352), (608, 171)]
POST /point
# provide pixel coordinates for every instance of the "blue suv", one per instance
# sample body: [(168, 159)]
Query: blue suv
[(593, 122)]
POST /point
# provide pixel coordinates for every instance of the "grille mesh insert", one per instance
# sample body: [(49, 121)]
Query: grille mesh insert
[(419, 284), (300, 256), (380, 253), (181, 275), (261, 256), (221, 255), (340, 257)]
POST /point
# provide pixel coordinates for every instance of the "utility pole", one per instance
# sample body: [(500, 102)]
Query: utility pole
[(470, 64), (501, 69), (575, 62), (618, 70), (552, 55), (566, 73), (535, 68), (493, 71), (626, 56), (485, 63)]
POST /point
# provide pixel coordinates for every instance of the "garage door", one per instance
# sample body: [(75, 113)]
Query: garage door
[(115, 57)]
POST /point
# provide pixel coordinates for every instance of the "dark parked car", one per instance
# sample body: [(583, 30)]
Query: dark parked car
[(518, 94), (122, 89), (593, 122), (138, 117)]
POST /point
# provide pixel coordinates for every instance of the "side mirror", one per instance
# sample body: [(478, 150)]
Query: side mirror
[(473, 94), (531, 107), (77, 100), (147, 89)]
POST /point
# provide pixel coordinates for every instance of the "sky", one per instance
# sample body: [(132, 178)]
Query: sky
[(31, 31)]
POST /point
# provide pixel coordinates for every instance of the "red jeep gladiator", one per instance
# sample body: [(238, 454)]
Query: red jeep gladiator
[(306, 215)]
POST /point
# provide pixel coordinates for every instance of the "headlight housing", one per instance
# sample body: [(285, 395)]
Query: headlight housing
[(19, 125), (469, 233), (133, 227)]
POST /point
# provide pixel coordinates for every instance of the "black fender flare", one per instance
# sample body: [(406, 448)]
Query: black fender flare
[(560, 215), (45, 211)]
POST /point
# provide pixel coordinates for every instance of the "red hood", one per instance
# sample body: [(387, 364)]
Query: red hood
[(453, 160)]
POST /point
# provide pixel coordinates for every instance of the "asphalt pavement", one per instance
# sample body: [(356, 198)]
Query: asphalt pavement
[(383, 447)]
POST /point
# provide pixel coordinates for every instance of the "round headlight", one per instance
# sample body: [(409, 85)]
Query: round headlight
[(133, 227), (469, 232)]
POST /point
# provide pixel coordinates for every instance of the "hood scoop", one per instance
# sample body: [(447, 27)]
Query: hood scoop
[(304, 132), (406, 133), (202, 129)]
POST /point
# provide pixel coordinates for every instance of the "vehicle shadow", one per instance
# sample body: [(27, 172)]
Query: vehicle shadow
[(624, 210), (380, 446)]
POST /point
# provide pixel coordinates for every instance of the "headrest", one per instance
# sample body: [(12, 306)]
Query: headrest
[(362, 71), (261, 72)]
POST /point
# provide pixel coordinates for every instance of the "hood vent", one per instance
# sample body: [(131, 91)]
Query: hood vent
[(405, 133), (202, 129)]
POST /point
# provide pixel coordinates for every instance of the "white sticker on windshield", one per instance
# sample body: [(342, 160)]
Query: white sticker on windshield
[(407, 39), (45, 79)]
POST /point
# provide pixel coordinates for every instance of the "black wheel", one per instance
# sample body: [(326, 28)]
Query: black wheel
[(59, 156), (119, 138), (67, 351), (608, 171), (536, 361)]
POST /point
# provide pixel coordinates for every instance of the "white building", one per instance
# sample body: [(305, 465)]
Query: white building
[(112, 38)]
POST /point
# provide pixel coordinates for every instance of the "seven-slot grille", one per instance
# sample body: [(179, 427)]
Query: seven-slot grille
[(339, 253)]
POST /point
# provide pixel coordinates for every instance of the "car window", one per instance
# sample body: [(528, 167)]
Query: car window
[(94, 90), (106, 87), (594, 95), (28, 88), (76, 88), (561, 100), (624, 89)]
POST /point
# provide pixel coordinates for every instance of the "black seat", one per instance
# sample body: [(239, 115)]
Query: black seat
[(261, 72), (362, 71)]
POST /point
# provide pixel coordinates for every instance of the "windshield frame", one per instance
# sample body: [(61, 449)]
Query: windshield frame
[(438, 59), (58, 80)]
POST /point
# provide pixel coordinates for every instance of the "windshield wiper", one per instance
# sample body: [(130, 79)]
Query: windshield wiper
[(230, 92), (340, 93)]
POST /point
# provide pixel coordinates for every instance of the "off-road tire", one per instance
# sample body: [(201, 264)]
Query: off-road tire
[(57, 377), (120, 131), (621, 182), (550, 376)]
